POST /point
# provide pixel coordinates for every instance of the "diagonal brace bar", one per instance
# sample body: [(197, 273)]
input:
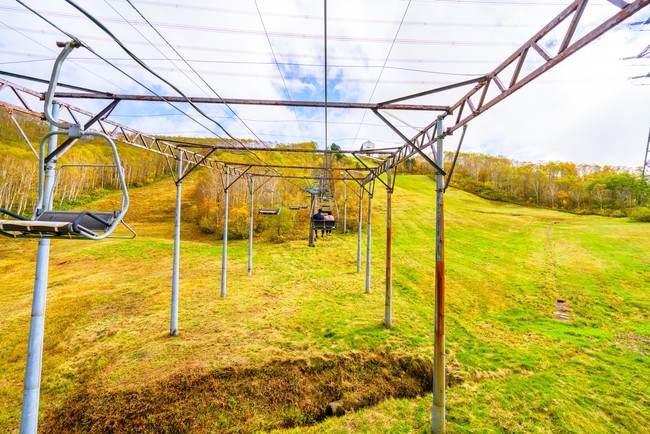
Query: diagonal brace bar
[(408, 141)]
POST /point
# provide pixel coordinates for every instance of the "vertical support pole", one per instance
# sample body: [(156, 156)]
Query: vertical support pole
[(173, 324), (645, 172), (250, 226), (345, 206), (224, 253), (368, 236), (439, 374), (311, 222), (32, 384), (360, 229), (388, 299)]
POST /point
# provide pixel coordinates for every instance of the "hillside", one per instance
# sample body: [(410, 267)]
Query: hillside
[(300, 332)]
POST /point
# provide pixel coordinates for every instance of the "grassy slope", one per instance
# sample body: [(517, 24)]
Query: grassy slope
[(513, 367)]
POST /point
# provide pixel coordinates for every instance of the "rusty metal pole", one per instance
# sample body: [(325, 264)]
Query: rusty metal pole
[(388, 302), (439, 375), (224, 252), (359, 235), (369, 237), (250, 225)]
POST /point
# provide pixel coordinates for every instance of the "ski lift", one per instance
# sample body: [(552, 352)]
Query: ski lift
[(327, 205), (270, 202), (46, 223)]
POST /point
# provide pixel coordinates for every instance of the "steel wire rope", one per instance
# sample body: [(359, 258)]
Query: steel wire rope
[(71, 36), (194, 71), (382, 70), (152, 45), (354, 20), (147, 68), (262, 142), (314, 36), (51, 50), (87, 47), (454, 43), (275, 60)]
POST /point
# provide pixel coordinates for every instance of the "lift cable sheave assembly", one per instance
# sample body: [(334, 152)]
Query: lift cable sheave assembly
[(48, 223)]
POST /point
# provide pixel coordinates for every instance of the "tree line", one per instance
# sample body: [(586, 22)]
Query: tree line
[(578, 188), (85, 171)]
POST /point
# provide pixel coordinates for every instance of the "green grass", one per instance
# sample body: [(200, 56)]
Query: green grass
[(512, 366)]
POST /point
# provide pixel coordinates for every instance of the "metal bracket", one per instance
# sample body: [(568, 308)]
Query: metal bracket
[(408, 141), (71, 140), (238, 176)]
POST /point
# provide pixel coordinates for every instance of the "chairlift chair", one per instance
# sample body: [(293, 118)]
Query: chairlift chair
[(48, 223), (327, 204), (270, 202)]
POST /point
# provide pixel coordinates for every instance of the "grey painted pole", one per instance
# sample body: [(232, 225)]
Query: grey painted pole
[(360, 229), (345, 206), (32, 384), (250, 226), (388, 300), (369, 240), (439, 375), (224, 254), (173, 323)]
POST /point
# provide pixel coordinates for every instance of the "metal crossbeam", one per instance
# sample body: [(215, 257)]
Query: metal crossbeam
[(257, 102), (115, 130)]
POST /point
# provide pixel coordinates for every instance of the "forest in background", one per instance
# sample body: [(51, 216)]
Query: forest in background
[(576, 188), (565, 186)]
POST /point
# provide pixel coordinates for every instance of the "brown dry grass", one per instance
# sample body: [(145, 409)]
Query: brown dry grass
[(276, 394)]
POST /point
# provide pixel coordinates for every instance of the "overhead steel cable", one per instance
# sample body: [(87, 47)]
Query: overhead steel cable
[(51, 50), (149, 69), (146, 67), (193, 70), (152, 44), (90, 49), (275, 60), (262, 142), (390, 50)]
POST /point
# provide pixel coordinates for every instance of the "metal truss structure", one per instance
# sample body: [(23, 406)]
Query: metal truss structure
[(529, 61)]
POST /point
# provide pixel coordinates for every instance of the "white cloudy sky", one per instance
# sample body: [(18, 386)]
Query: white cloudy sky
[(585, 110)]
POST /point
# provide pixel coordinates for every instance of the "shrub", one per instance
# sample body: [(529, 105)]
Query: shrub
[(640, 214)]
